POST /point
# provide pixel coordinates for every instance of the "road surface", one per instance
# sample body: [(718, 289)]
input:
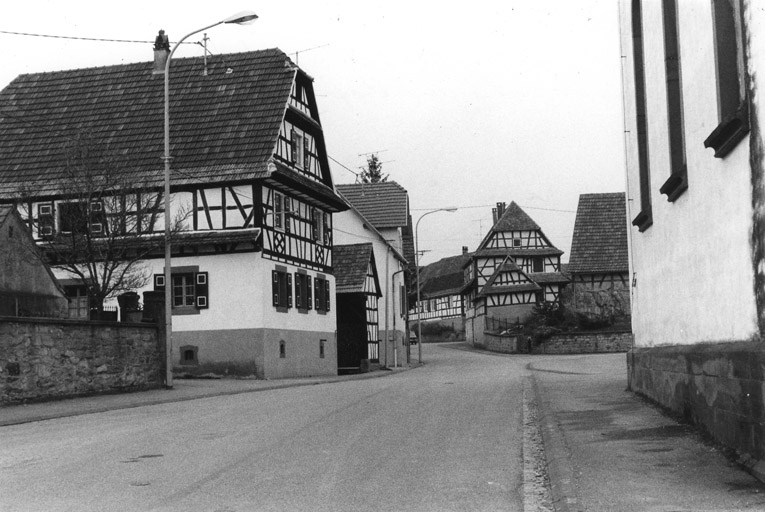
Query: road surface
[(446, 436)]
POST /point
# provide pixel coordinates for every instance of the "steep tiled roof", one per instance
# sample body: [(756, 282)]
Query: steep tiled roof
[(224, 126), (350, 263), (444, 277), (599, 243), (515, 219), (386, 204)]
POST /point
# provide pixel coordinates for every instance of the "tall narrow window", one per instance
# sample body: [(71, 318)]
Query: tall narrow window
[(644, 219), (303, 299), (278, 211), (678, 178), (733, 107), (282, 289)]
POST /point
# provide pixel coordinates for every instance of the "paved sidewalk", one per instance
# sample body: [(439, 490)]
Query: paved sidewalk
[(183, 389), (609, 450)]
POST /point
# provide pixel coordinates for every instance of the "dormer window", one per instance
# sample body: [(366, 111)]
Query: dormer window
[(301, 146)]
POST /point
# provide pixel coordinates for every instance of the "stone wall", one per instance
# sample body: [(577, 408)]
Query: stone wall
[(42, 359), (503, 344), (585, 343), (718, 386)]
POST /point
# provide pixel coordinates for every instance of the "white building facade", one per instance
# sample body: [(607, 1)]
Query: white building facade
[(695, 193)]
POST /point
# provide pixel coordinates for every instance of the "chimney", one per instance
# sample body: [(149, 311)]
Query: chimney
[(464, 250), (494, 216), (161, 52), (500, 210)]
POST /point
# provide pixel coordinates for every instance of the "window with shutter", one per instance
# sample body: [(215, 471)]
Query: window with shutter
[(278, 211), (321, 294), (281, 287), (45, 220), (202, 290)]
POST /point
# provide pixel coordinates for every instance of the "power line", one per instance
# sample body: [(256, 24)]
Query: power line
[(28, 34), (494, 205), (344, 167)]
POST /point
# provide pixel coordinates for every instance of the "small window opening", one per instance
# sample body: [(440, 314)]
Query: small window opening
[(321, 348), (282, 350)]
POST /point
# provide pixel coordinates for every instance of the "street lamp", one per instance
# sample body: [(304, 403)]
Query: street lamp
[(241, 18), (417, 270)]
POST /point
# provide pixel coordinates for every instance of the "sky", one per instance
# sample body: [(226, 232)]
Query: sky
[(465, 104)]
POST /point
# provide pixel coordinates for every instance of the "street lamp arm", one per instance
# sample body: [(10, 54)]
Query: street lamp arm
[(417, 272), (239, 18)]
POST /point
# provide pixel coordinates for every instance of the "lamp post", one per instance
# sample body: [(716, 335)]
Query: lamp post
[(241, 18), (417, 270)]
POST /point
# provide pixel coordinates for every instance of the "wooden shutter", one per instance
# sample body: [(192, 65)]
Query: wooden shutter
[(159, 282), (315, 223), (298, 290), (289, 290), (309, 298), (326, 295), (317, 294), (327, 231), (201, 290), (306, 154), (275, 287)]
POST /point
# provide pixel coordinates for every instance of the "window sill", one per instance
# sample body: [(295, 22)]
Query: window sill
[(674, 186), (643, 221), (185, 310), (729, 132)]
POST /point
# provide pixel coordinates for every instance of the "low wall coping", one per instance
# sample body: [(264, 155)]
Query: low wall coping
[(73, 321)]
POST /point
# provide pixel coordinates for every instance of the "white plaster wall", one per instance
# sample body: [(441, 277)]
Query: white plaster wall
[(240, 296), (349, 229), (692, 268)]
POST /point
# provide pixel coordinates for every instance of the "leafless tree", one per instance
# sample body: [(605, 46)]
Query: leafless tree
[(106, 225)]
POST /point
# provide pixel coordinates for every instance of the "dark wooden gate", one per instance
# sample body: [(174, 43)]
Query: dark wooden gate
[(351, 332)]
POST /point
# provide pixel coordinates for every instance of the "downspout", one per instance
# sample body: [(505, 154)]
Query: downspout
[(387, 258), (395, 345)]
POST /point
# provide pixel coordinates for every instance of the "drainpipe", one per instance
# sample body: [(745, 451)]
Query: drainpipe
[(395, 345), (387, 259)]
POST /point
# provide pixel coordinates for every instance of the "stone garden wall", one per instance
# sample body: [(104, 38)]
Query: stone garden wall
[(585, 343), (42, 359)]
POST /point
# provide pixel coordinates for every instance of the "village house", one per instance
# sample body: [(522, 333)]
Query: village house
[(598, 265), (514, 268), (27, 285), (379, 215), (252, 279), (440, 309), (695, 182)]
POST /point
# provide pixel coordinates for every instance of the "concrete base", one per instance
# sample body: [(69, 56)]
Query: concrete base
[(717, 386)]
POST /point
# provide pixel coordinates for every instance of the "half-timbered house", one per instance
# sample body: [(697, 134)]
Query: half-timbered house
[(351, 228), (598, 265), (380, 214), (440, 309), (515, 267), (252, 269), (358, 317)]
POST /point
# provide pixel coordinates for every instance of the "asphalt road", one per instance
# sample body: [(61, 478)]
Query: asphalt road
[(447, 436)]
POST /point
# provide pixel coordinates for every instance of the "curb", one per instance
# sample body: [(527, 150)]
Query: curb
[(563, 487), (270, 386)]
